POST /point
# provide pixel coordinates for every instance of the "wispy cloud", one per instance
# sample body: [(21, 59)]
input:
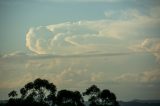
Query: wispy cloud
[(16, 83), (149, 45), (147, 77), (81, 0), (24, 56)]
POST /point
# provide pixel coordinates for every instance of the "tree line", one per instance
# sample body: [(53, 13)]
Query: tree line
[(41, 92)]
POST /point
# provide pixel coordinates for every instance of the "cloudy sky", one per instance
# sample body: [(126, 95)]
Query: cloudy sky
[(114, 44)]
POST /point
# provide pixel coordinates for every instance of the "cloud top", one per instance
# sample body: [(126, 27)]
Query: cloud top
[(68, 38), (96, 35)]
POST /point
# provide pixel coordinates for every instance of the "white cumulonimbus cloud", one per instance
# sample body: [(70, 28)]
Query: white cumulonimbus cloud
[(66, 37), (86, 36)]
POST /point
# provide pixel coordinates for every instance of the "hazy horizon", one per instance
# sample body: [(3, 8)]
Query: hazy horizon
[(114, 44)]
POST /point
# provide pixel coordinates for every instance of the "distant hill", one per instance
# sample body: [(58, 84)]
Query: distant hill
[(3, 102), (140, 103), (146, 101), (137, 103), (122, 103)]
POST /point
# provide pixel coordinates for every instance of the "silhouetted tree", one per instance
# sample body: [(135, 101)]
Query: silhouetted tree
[(78, 99), (69, 98), (40, 91), (107, 98), (12, 94), (13, 101), (93, 92), (100, 98), (37, 93)]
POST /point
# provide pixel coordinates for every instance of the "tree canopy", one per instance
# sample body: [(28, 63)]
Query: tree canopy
[(41, 92), (69, 98), (100, 98)]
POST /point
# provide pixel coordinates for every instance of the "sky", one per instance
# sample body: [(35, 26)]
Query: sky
[(114, 44)]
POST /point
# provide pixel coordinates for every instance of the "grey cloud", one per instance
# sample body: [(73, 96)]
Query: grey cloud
[(148, 45), (25, 56), (147, 77)]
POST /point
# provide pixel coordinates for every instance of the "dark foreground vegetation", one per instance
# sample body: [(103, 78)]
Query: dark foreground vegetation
[(130, 103), (43, 93)]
